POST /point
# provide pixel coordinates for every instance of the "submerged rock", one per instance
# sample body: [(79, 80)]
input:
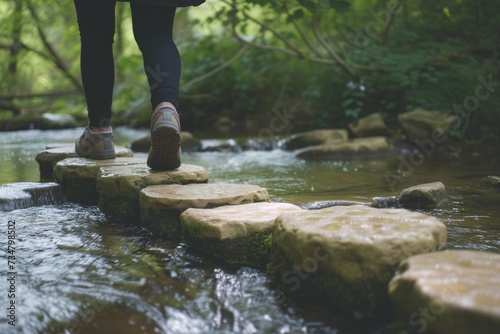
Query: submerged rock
[(119, 187), (369, 126), (161, 206), (23, 195), (77, 176), (345, 256), (189, 143), (422, 125), (428, 195), (360, 148), (48, 158), (317, 205), (238, 234), (315, 137), (454, 291), (491, 182)]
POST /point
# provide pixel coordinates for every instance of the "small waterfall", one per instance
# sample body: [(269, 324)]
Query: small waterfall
[(387, 202), (23, 195)]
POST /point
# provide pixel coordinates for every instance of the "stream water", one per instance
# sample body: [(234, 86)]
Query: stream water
[(76, 272)]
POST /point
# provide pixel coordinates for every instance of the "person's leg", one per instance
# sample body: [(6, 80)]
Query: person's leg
[(153, 33), (96, 20)]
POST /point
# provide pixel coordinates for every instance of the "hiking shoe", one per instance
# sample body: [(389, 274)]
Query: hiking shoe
[(165, 151), (95, 145)]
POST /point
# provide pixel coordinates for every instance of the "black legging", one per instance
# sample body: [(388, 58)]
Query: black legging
[(152, 27)]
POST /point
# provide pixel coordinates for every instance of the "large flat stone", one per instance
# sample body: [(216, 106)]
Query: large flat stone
[(456, 291), (345, 256), (238, 234), (47, 159), (360, 148), (119, 187), (77, 176), (161, 206)]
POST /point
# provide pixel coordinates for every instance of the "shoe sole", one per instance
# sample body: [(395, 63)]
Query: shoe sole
[(165, 145)]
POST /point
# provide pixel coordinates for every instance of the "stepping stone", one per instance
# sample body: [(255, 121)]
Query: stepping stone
[(315, 137), (428, 195), (119, 187), (238, 234), (345, 256), (48, 158), (456, 291), (360, 148), (23, 195), (369, 126), (77, 176), (161, 206)]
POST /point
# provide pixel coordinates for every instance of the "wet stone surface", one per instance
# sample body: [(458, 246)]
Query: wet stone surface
[(237, 234), (455, 291), (119, 187), (54, 153), (77, 176), (161, 206), (345, 256)]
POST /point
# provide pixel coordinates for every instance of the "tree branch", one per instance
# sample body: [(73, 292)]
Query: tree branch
[(330, 51), (36, 95), (385, 33), (58, 60), (217, 69)]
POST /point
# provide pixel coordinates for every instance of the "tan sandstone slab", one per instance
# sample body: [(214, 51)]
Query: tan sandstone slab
[(359, 148), (238, 234), (455, 291), (119, 187), (315, 137), (161, 206), (77, 176), (54, 153), (345, 255)]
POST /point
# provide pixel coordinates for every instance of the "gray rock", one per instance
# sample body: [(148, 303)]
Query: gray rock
[(454, 291), (161, 206), (119, 187), (237, 234), (315, 137), (360, 148), (423, 196), (491, 183), (57, 121), (77, 176), (54, 153), (345, 256), (426, 125), (369, 126)]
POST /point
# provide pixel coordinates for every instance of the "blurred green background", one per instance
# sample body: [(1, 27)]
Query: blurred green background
[(328, 62)]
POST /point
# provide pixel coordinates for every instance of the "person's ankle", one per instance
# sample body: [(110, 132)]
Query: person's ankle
[(100, 129), (165, 104)]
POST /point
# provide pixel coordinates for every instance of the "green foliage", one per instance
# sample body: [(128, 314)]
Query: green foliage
[(332, 61)]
